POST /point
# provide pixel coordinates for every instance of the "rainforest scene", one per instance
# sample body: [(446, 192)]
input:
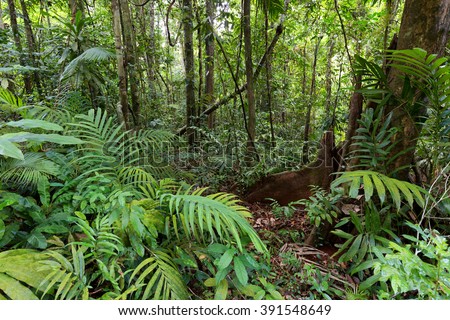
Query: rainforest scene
[(223, 149)]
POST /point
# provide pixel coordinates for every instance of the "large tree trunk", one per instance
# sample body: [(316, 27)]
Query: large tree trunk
[(249, 75), (189, 69), (425, 24), (122, 110)]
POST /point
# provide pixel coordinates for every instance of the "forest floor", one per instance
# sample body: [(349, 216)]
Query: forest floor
[(300, 271)]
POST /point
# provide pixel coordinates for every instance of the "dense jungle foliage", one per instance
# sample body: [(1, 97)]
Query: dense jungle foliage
[(212, 149)]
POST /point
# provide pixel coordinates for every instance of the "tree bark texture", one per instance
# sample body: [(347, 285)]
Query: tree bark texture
[(189, 69), (121, 68), (249, 75), (209, 60), (425, 24)]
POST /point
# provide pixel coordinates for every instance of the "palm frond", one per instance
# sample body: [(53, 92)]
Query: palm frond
[(111, 150), (67, 280), (374, 182), (213, 218), (27, 173), (158, 278), (103, 151), (77, 67), (8, 101)]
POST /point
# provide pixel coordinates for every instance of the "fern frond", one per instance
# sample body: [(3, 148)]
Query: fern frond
[(59, 116)]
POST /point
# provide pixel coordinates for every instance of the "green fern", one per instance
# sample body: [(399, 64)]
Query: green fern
[(68, 279), (424, 72)]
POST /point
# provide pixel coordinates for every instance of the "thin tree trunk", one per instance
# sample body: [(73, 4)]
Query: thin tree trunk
[(311, 100), (249, 75), (262, 61), (209, 60), (75, 6), (121, 69), (130, 57), (200, 57), (328, 77), (189, 70), (2, 24), (31, 45), (268, 75), (152, 64), (15, 30)]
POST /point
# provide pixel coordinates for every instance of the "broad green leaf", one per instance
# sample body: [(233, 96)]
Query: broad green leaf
[(369, 281), (43, 188), (27, 136), (404, 188), (14, 289), (393, 190), (8, 149), (353, 250), (260, 294), (210, 282), (37, 240), (342, 234), (226, 258), (35, 123), (241, 272), (222, 290), (354, 187), (217, 248)]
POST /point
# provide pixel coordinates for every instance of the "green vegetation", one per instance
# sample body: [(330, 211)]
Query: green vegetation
[(131, 136)]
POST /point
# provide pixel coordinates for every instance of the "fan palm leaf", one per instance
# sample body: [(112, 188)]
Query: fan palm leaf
[(29, 172)]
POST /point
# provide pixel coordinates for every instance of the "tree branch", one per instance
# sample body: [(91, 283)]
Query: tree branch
[(258, 69)]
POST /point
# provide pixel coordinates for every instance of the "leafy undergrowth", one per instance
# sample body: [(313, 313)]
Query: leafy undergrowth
[(300, 271)]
